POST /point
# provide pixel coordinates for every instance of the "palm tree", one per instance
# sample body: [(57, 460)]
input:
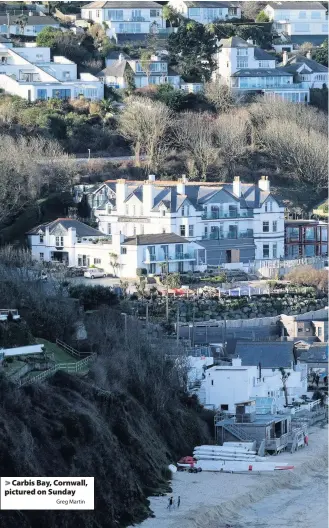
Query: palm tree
[(21, 21), (284, 377)]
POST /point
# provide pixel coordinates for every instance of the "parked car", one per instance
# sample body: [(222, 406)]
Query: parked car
[(94, 273)]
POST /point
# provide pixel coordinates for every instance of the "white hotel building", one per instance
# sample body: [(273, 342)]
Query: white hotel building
[(225, 224)]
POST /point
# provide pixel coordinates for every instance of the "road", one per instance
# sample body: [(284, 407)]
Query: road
[(119, 159)]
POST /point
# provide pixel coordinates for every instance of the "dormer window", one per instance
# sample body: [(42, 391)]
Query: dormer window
[(163, 212), (41, 238)]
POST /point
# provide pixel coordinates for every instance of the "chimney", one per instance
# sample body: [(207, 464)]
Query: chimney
[(121, 191), (148, 194), (309, 55), (237, 186), (285, 58), (236, 362), (264, 184), (181, 185)]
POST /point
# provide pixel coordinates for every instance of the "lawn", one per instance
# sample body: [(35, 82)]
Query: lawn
[(60, 355)]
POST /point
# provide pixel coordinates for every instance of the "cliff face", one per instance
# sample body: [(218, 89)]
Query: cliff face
[(67, 427)]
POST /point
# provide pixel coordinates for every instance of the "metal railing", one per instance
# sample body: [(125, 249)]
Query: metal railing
[(216, 215), (72, 351), (232, 236), (67, 367)]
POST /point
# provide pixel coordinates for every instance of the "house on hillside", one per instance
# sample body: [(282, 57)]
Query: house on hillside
[(305, 70), (236, 222), (206, 12), (74, 243), (126, 18), (31, 73), (299, 21), (245, 68), (29, 26), (120, 67)]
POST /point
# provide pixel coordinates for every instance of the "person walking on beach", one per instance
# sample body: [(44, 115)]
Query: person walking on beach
[(178, 501), (170, 503), (306, 440)]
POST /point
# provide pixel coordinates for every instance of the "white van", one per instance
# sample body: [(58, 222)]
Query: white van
[(94, 273)]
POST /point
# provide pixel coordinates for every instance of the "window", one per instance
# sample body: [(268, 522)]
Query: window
[(115, 14), (205, 232), (109, 229), (194, 11), (163, 212), (275, 251), (152, 268), (275, 226), (302, 14), (188, 211), (266, 207), (129, 27), (98, 14), (163, 230), (134, 230), (61, 94), (79, 240), (191, 231), (41, 94), (66, 75), (183, 211), (270, 206), (264, 64), (182, 230), (59, 241), (266, 251), (97, 261), (242, 52), (41, 239), (42, 256), (154, 13), (136, 14), (319, 330), (127, 210), (134, 210), (315, 15), (123, 251), (242, 63), (266, 227)]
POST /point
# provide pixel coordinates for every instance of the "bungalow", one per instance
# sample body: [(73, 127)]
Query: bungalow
[(206, 12), (27, 26)]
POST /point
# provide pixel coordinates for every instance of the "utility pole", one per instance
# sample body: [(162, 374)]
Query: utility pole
[(8, 25), (193, 321)]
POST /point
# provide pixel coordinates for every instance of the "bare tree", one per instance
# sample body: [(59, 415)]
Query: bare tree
[(146, 124), (250, 10), (309, 276), (194, 133), (303, 153), (231, 138), (220, 95), (30, 169)]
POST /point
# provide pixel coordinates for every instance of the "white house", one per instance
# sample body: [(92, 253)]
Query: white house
[(125, 17), (76, 244), (120, 66), (30, 73), (246, 68), (235, 223), (305, 69), (300, 21), (27, 27), (224, 386), (206, 12)]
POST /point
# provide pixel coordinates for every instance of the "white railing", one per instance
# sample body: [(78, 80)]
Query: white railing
[(68, 367)]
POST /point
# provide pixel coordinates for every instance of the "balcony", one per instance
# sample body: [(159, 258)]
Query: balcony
[(233, 236), (163, 257), (217, 215)]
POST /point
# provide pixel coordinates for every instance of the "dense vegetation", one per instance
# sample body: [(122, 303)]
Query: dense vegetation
[(123, 423)]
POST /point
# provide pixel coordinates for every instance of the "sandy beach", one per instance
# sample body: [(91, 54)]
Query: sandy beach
[(297, 498)]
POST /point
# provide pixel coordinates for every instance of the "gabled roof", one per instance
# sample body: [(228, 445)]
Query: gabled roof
[(235, 42), (280, 6), (297, 61), (116, 69), (138, 192), (123, 5), (81, 228), (270, 354), (163, 238)]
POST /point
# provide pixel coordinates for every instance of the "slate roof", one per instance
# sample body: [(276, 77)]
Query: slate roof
[(123, 5), (163, 238), (270, 354), (317, 353), (261, 72), (117, 69), (81, 228), (212, 4), (283, 6), (33, 20), (295, 62), (261, 54), (235, 42)]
